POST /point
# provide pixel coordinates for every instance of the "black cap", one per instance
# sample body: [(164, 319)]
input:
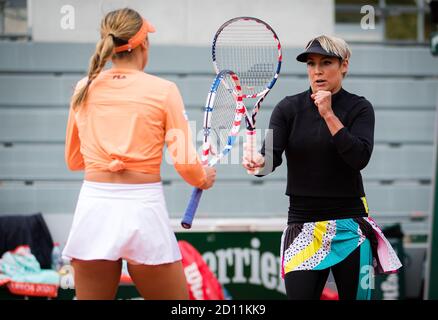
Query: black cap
[(315, 47)]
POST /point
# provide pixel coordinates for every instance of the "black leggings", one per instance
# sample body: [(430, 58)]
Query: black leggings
[(309, 284)]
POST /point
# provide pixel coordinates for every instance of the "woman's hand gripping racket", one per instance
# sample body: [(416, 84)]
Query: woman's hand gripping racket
[(223, 114), (251, 48)]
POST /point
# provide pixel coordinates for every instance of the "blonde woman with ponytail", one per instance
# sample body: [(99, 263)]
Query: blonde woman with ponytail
[(119, 121)]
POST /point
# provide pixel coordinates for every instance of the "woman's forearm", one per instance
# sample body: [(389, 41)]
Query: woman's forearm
[(333, 123)]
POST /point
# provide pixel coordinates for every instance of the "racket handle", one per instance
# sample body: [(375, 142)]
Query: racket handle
[(252, 146), (187, 220)]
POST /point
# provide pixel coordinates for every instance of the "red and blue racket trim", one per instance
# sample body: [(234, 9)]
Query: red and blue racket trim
[(250, 119), (190, 212), (280, 55)]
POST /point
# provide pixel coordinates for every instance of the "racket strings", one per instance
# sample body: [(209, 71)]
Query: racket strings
[(223, 115), (251, 50)]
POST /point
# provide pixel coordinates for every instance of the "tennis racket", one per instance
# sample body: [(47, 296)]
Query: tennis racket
[(223, 114), (251, 48)]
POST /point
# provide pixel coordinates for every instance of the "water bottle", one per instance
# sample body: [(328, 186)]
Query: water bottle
[(56, 257)]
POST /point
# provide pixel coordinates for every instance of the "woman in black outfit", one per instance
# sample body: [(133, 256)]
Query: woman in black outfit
[(327, 134)]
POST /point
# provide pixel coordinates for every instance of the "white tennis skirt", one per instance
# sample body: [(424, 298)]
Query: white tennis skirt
[(128, 221)]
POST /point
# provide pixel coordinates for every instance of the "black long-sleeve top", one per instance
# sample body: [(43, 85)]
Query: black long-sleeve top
[(323, 176)]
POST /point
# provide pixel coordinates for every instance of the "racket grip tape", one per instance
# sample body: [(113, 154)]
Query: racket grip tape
[(252, 147), (187, 219)]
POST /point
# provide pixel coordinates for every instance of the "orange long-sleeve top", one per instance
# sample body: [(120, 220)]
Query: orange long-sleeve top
[(124, 123)]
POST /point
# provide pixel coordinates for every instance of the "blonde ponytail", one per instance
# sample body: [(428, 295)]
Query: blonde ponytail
[(116, 26), (104, 51)]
